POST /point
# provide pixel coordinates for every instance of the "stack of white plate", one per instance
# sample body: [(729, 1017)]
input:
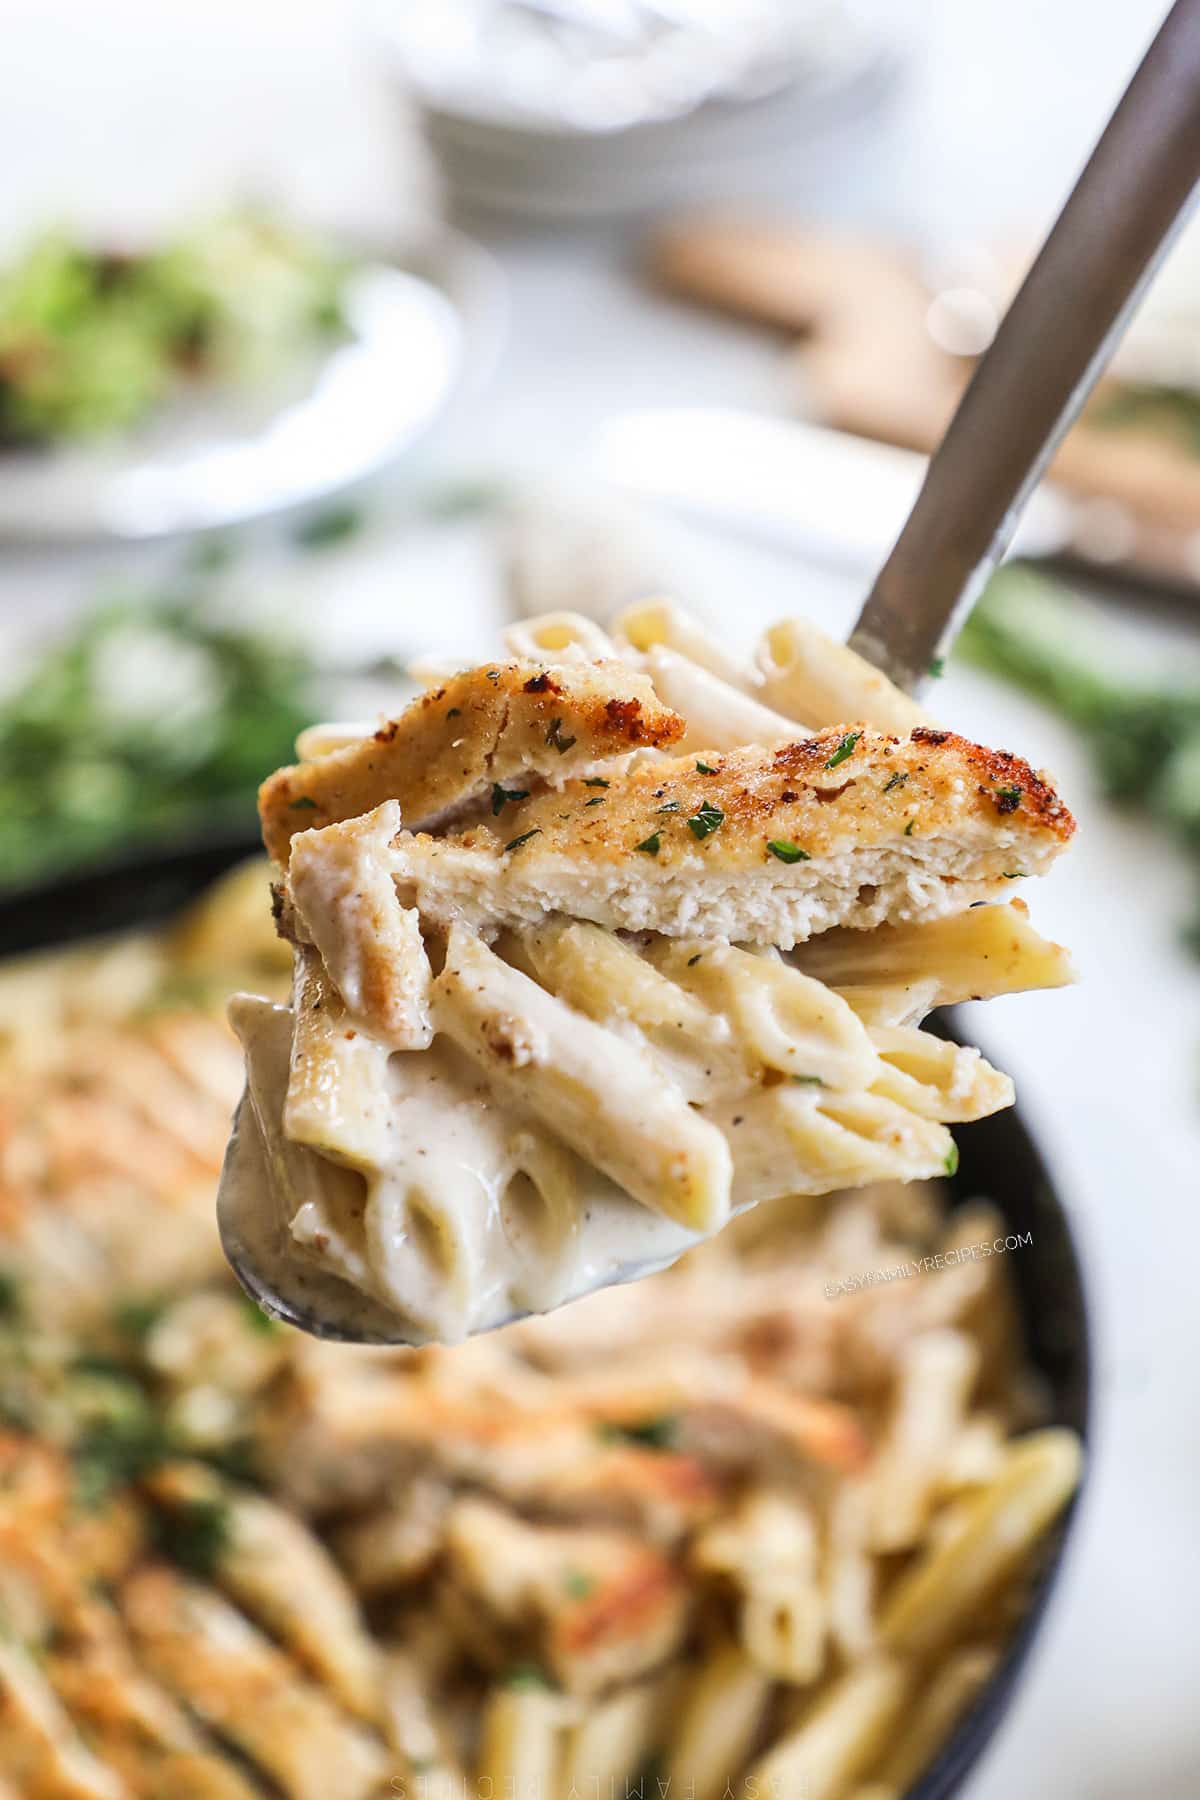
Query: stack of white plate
[(580, 109)]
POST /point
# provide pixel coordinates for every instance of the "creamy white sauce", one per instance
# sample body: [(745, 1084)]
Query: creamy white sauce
[(450, 1143)]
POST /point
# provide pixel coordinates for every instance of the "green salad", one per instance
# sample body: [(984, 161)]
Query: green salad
[(92, 341), (153, 719)]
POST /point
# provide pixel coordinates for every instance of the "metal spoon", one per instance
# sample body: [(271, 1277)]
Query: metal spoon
[(1053, 343)]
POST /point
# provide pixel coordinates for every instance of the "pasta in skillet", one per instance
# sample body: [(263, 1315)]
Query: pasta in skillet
[(754, 1524), (593, 953)]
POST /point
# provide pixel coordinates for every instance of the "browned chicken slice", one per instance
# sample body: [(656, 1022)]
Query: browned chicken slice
[(852, 828), (484, 727), (284, 1577), (52, 1597), (236, 1681), (592, 1606)]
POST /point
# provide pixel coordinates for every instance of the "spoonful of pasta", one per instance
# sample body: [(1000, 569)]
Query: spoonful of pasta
[(605, 940)]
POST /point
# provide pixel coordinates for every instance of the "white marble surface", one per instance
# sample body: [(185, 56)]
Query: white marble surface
[(135, 108)]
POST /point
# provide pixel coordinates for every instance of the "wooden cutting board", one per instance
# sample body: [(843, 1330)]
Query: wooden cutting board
[(868, 363)]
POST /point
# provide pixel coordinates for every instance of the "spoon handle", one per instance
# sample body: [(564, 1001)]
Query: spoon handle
[(1054, 341)]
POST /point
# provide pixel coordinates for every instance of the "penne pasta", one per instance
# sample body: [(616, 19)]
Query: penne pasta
[(722, 1713), (808, 675), (839, 1738), (995, 1532)]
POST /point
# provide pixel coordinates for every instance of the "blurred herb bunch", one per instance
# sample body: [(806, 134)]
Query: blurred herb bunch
[(1143, 735)]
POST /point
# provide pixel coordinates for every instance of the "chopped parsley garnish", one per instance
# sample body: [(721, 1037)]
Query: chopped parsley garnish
[(844, 749), (786, 852), (122, 1439), (137, 1318), (951, 1163), (710, 818), (502, 797), (555, 738), (455, 712), (578, 1584), (594, 781), (656, 1434), (515, 843), (895, 781), (1008, 799), (303, 804), (596, 800), (809, 1080), (908, 829), (671, 806), (653, 1434), (693, 960), (10, 1295), (705, 769), (651, 845), (492, 674), (527, 1678), (195, 1535), (1014, 875), (937, 667)]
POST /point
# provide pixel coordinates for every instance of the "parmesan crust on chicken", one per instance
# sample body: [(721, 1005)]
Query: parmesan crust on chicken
[(452, 744), (850, 828)]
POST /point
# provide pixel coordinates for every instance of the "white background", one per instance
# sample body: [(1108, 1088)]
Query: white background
[(135, 109)]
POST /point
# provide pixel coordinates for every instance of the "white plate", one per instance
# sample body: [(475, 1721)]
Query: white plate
[(416, 334)]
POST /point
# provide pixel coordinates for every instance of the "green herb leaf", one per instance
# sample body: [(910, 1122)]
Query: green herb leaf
[(527, 1678), (908, 829), (502, 797), (137, 1318), (303, 804), (578, 1584), (937, 667), (809, 1080), (705, 768), (455, 712), (786, 852), (596, 800), (656, 1434), (10, 1295), (556, 740), (1008, 799), (672, 806), (195, 1534), (895, 781), (515, 843), (1014, 875), (122, 1437), (594, 781), (951, 1163), (651, 845), (332, 526), (844, 749), (693, 960), (709, 819)]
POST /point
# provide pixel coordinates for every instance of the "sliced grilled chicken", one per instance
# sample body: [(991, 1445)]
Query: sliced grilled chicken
[(595, 1606), (274, 1567), (481, 729), (852, 828), (236, 1681)]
